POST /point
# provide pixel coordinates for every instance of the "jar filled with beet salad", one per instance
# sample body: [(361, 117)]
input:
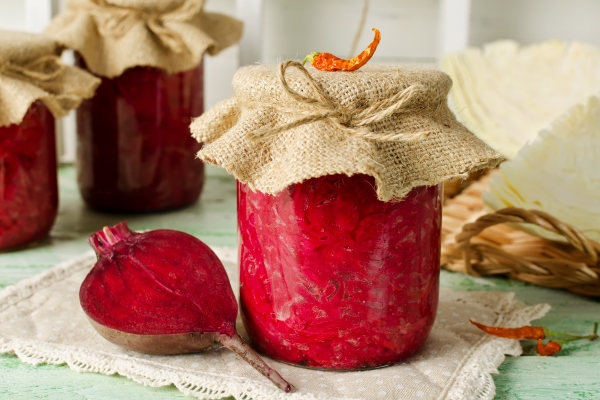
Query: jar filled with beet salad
[(35, 88), (134, 151), (339, 206)]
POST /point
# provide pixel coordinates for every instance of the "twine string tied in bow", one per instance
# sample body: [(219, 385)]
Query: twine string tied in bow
[(116, 21), (354, 122)]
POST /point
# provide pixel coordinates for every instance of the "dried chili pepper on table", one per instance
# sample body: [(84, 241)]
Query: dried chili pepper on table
[(539, 333), (329, 62), (524, 332)]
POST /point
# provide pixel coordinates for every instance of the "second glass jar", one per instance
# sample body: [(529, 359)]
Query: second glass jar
[(331, 277), (28, 178), (135, 152)]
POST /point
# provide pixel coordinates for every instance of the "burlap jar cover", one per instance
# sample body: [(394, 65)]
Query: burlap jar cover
[(31, 70), (287, 124), (114, 35)]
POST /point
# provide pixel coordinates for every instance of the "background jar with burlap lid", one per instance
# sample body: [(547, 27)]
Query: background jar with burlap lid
[(134, 152), (35, 87), (339, 207)]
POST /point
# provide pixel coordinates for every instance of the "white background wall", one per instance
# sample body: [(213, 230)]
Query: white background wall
[(411, 29)]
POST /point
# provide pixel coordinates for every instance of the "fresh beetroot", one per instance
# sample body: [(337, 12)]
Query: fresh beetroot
[(163, 292)]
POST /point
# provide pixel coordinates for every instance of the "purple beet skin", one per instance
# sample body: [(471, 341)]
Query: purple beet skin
[(163, 292)]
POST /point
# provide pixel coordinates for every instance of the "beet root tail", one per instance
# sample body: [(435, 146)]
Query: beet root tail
[(236, 344)]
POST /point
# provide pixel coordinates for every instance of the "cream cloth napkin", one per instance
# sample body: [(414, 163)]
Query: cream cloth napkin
[(41, 322)]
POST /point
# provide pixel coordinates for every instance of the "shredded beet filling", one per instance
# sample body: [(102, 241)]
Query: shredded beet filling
[(135, 152), (332, 277), (28, 178)]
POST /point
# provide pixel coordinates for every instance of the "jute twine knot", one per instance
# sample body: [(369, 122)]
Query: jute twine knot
[(353, 121), (116, 21), (42, 69)]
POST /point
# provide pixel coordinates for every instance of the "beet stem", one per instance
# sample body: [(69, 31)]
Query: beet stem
[(236, 344), (102, 241), (114, 234)]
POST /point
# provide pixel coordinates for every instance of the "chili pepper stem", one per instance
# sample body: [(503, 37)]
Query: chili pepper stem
[(567, 337), (310, 57), (563, 341)]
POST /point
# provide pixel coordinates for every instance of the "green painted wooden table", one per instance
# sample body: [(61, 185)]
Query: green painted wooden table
[(574, 374)]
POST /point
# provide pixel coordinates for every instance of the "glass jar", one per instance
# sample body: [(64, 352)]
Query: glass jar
[(28, 178), (331, 277), (135, 152)]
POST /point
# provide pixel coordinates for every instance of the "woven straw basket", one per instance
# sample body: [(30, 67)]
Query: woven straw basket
[(481, 244)]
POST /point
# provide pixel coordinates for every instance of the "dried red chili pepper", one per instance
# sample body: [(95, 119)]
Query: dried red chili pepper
[(538, 333), (329, 62), (548, 349), (524, 332)]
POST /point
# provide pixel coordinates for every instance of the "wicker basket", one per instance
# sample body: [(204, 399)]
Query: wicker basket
[(481, 244)]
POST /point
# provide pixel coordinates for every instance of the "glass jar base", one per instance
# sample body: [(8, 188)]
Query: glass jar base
[(345, 363), (31, 243), (339, 369), (123, 208)]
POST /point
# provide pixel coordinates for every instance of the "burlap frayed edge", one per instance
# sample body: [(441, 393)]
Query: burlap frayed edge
[(60, 96), (110, 55), (217, 129), (334, 171)]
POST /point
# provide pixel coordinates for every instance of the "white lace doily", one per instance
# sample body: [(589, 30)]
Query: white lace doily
[(42, 322)]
